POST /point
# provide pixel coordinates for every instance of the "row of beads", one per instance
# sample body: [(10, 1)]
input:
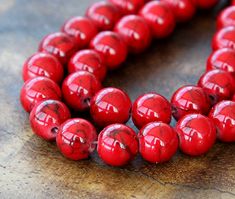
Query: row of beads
[(117, 143)]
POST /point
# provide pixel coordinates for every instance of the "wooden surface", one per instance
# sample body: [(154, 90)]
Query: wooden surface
[(33, 168)]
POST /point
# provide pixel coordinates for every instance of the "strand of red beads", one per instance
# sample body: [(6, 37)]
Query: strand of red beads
[(86, 47)]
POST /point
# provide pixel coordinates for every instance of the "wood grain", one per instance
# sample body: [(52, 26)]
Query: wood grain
[(33, 168)]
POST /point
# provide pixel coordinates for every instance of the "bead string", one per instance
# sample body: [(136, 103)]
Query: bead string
[(110, 108)]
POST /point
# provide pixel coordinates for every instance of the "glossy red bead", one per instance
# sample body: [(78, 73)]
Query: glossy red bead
[(111, 47), (205, 4), (233, 2), (183, 10), (117, 145), (103, 14), (46, 118), (45, 65), (218, 84), (223, 116), (135, 32), (197, 134), (82, 29), (109, 106), (159, 17), (76, 139), (158, 142), (60, 45), (189, 99), (128, 6), (78, 89), (222, 59), (90, 61), (151, 107), (38, 89), (224, 38), (226, 17)]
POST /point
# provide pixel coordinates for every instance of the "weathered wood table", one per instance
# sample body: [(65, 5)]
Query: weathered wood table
[(33, 168)]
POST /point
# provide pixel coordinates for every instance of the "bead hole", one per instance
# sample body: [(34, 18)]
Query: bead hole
[(173, 110), (54, 130), (87, 101), (212, 99)]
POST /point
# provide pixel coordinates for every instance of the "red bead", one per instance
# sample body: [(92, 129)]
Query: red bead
[(233, 2), (45, 65), (109, 106), (111, 47), (76, 139), (159, 17), (226, 17), (82, 29), (189, 99), (60, 45), (219, 85), (158, 142), (183, 10), (78, 89), (117, 145), (103, 14), (223, 59), (88, 60), (135, 32), (224, 38), (151, 107), (205, 4), (197, 134), (128, 6), (46, 117), (223, 116), (38, 89), (234, 97)]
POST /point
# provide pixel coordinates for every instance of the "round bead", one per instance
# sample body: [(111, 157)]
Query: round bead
[(224, 38), (76, 139), (109, 106), (183, 10), (158, 142), (223, 116), (218, 84), (47, 116), (205, 4), (128, 6), (45, 65), (82, 29), (103, 14), (38, 89), (160, 18), (226, 17), (90, 61), (135, 32), (111, 47), (151, 107), (60, 45), (189, 99), (197, 134), (117, 145), (223, 59), (78, 89)]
